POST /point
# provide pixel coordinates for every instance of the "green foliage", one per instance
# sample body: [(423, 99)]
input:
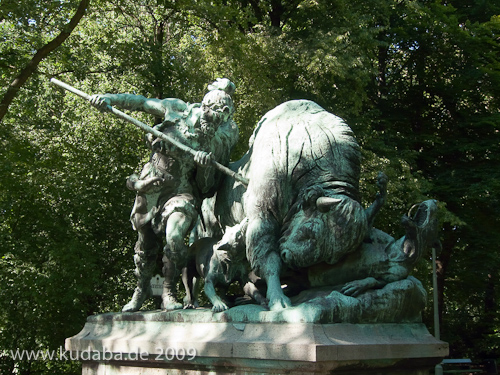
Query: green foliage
[(64, 220), (435, 91), (418, 81)]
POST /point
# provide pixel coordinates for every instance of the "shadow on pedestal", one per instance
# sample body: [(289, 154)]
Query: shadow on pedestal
[(161, 343)]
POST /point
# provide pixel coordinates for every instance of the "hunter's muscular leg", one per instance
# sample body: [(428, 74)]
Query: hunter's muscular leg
[(178, 225), (146, 251)]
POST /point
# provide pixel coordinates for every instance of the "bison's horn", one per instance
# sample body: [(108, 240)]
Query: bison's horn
[(325, 203)]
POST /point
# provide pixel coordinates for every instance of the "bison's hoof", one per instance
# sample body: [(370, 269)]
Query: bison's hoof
[(219, 307), (279, 303)]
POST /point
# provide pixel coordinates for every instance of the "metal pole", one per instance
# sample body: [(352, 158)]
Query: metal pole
[(153, 131), (438, 370)]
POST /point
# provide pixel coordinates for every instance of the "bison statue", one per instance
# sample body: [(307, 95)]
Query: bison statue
[(302, 202)]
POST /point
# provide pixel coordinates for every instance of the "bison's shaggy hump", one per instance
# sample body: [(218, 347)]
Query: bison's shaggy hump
[(298, 144)]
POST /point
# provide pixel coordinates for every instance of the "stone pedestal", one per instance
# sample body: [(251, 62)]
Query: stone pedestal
[(153, 344)]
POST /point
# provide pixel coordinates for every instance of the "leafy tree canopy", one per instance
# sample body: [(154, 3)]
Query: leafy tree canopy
[(418, 81)]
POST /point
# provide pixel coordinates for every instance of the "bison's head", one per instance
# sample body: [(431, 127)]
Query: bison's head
[(322, 229)]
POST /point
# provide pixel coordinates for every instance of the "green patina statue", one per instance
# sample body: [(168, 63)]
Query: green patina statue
[(298, 221), (171, 186)]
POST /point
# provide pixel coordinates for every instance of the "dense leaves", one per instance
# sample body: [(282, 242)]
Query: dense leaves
[(418, 81)]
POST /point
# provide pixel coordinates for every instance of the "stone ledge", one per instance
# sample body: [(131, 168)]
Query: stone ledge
[(255, 348), (257, 367)]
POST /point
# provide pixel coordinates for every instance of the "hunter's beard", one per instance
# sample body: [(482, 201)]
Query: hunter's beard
[(208, 128)]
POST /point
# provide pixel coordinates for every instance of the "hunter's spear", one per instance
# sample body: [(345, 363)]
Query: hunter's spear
[(153, 131)]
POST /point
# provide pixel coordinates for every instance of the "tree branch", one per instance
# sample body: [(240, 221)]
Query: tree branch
[(40, 54)]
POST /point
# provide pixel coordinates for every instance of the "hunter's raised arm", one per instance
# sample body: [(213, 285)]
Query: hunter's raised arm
[(156, 107)]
